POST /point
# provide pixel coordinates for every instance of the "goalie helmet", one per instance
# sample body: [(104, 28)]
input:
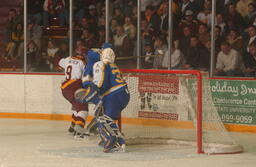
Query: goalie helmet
[(108, 56)]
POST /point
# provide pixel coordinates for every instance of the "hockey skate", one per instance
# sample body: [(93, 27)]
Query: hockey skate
[(118, 146), (80, 133), (79, 136), (102, 142), (71, 129)]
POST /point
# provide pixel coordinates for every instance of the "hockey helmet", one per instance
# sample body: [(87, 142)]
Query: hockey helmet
[(107, 45), (108, 56)]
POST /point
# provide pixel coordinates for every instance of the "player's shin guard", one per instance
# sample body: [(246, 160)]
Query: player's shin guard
[(80, 123), (81, 117), (110, 134), (72, 125)]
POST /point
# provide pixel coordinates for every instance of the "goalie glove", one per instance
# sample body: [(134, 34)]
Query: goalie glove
[(88, 94)]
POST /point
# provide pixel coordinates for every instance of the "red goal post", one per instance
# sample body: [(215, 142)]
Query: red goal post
[(196, 75)]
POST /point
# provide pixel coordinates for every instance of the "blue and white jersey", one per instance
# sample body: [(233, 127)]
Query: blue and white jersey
[(92, 57), (108, 78)]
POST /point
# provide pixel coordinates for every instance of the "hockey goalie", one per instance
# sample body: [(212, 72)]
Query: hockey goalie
[(107, 85)]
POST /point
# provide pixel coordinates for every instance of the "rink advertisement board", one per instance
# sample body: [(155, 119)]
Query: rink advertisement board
[(156, 93), (235, 100)]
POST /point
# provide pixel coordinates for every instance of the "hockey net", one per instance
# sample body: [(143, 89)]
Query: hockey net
[(174, 107)]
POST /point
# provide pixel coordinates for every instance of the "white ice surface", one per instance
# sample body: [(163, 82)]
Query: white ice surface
[(41, 143)]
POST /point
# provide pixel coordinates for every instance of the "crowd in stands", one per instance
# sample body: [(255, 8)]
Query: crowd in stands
[(235, 33)]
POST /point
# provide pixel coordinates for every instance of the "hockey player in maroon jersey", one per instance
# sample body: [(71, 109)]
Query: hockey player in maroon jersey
[(74, 67)]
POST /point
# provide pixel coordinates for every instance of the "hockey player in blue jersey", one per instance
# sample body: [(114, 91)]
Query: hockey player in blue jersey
[(108, 83), (93, 56)]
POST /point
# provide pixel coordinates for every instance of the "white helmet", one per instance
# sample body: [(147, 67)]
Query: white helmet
[(108, 56)]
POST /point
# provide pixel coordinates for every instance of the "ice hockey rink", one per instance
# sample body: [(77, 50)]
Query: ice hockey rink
[(45, 143)]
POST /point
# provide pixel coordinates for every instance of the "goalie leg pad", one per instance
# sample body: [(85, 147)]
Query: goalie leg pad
[(109, 133), (92, 126)]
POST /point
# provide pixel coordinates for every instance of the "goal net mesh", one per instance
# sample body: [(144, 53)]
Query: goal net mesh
[(163, 109)]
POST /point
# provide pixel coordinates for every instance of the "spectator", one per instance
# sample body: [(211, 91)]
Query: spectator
[(164, 5), (129, 28), (199, 4), (205, 57), (177, 57), (48, 10), (84, 23), (33, 56), (145, 3), (63, 52), (11, 24), (185, 40), (250, 61), (146, 31), (34, 32), (220, 6), (203, 34), (16, 46), (101, 36), (218, 38), (252, 37), (117, 4), (79, 9), (187, 5), (146, 34), (153, 19), (35, 9), (242, 7), (122, 43), (62, 10), (189, 21), (160, 48), (129, 4), (50, 56), (88, 38), (163, 13), (222, 24), (234, 19), (134, 15), (55, 7), (102, 17), (235, 40), (113, 25), (205, 16), (227, 61), (250, 18), (148, 58), (194, 54), (118, 16), (93, 19)]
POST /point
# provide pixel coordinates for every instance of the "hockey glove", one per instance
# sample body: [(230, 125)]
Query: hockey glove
[(88, 94)]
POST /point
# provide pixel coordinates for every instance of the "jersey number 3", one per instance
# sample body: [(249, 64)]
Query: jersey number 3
[(118, 75)]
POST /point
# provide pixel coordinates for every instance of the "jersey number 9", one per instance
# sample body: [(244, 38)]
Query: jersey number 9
[(68, 72)]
